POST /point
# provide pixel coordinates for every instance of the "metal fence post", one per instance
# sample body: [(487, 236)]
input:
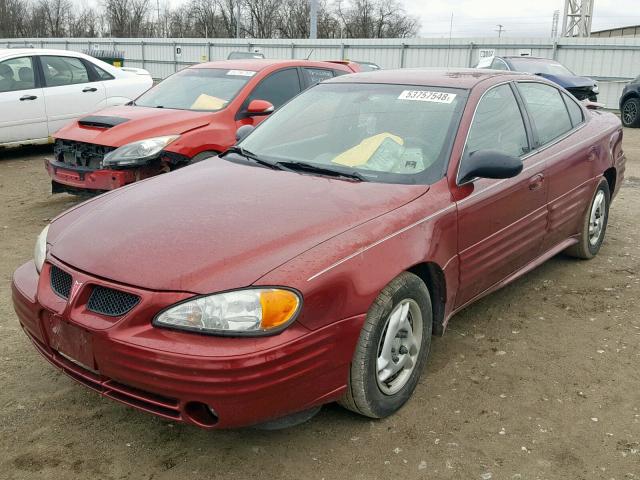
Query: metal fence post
[(555, 49), (293, 50), (470, 59), (342, 51), (209, 50), (175, 58), (403, 54), (142, 53)]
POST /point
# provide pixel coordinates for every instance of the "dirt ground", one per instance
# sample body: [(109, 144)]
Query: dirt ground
[(540, 380)]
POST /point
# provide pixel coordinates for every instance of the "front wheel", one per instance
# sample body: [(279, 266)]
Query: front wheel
[(392, 349), (594, 225), (630, 114)]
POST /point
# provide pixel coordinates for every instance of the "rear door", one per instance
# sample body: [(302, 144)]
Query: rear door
[(22, 105), (501, 222), (69, 90), (554, 116)]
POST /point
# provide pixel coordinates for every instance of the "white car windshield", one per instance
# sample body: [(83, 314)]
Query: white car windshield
[(200, 89), (384, 133)]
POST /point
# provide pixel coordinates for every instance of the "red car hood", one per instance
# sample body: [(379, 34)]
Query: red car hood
[(214, 225), (141, 123)]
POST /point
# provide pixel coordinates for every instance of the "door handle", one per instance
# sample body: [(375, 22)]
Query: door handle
[(89, 89), (28, 97), (536, 182)]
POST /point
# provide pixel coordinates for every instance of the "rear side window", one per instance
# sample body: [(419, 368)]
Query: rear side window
[(498, 124), (17, 74), (316, 75), (575, 112), (60, 71), (499, 64), (101, 74), (547, 109), (277, 88)]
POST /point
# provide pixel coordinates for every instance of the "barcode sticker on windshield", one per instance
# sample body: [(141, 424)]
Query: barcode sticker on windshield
[(241, 73), (426, 96)]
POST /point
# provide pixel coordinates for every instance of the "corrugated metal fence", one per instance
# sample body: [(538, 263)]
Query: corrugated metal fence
[(611, 61)]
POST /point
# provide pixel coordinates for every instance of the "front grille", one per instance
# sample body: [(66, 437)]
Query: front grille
[(110, 302), (80, 154), (582, 93), (60, 282)]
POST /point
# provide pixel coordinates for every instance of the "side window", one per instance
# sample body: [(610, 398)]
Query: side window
[(17, 74), (499, 64), (547, 109), (63, 71), (101, 75), (278, 87), (316, 75), (337, 73), (575, 112), (498, 124)]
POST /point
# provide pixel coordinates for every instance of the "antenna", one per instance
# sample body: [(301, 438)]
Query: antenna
[(310, 53)]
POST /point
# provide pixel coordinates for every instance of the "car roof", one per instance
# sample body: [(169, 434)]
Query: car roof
[(4, 52), (534, 59), (257, 64), (465, 78)]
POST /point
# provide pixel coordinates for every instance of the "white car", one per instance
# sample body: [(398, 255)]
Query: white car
[(42, 90)]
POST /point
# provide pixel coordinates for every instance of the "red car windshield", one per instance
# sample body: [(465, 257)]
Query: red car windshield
[(385, 133), (198, 89)]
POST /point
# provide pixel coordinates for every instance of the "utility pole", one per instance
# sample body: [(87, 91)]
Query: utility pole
[(313, 30), (238, 21), (554, 24), (576, 21), (500, 29)]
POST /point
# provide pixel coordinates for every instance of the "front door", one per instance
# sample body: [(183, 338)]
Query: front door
[(501, 223), (22, 105)]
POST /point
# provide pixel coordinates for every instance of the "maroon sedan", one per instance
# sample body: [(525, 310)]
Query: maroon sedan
[(314, 261)]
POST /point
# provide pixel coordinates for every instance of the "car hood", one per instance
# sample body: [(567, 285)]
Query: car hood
[(117, 126), (214, 225), (569, 81)]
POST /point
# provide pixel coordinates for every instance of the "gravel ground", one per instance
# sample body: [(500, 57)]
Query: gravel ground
[(537, 381)]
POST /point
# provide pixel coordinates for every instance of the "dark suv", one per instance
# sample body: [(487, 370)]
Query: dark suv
[(630, 104)]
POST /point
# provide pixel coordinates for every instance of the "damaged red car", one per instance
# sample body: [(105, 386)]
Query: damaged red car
[(313, 261), (190, 116)]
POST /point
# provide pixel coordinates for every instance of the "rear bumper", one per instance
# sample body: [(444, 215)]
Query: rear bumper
[(178, 375), (82, 178)]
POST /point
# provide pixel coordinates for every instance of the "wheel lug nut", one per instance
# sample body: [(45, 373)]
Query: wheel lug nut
[(403, 350)]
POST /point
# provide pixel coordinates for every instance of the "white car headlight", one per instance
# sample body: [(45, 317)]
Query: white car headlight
[(40, 250), (252, 311), (595, 88), (137, 153)]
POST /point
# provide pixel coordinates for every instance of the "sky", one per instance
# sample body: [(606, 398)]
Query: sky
[(520, 18)]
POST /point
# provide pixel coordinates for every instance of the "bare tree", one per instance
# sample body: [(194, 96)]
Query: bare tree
[(126, 18)]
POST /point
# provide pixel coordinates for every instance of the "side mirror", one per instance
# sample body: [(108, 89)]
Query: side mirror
[(243, 131), (259, 107), (488, 164)]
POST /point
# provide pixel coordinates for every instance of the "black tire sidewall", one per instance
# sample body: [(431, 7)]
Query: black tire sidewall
[(594, 249), (381, 404), (636, 121)]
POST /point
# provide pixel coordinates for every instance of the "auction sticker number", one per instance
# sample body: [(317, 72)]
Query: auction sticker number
[(427, 96)]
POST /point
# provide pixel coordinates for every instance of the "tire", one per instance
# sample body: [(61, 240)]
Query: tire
[(203, 156), (367, 392), (589, 244), (630, 112)]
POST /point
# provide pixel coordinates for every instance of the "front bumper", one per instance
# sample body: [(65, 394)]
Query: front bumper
[(177, 375), (85, 178)]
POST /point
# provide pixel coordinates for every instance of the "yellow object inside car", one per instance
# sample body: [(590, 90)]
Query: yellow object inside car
[(361, 153), (207, 102)]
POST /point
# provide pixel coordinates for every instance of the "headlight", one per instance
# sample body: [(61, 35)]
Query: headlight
[(595, 88), (253, 311), (40, 250), (137, 153)]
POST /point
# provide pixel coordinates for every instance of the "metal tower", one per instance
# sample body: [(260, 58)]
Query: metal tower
[(554, 24), (576, 21)]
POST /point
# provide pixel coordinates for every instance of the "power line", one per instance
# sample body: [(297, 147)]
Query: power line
[(500, 29)]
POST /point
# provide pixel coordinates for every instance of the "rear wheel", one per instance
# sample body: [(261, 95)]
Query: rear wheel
[(630, 113), (594, 225), (392, 349)]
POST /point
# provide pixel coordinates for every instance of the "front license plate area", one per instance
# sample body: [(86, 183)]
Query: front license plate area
[(71, 342), (68, 175)]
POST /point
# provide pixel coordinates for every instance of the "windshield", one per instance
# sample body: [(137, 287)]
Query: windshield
[(199, 89), (384, 133), (548, 68)]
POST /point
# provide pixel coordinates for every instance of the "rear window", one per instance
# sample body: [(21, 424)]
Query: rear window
[(548, 111), (197, 89)]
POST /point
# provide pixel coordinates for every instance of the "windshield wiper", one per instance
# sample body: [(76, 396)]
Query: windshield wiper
[(311, 168), (237, 149)]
